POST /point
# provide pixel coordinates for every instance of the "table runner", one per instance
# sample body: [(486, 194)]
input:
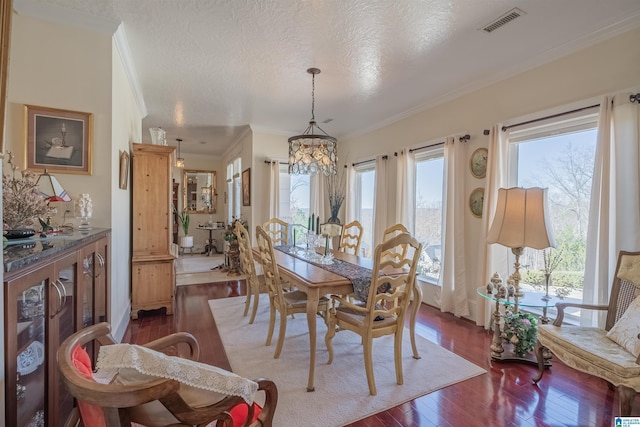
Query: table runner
[(359, 276)]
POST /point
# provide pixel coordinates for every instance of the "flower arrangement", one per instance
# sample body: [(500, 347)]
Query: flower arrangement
[(336, 190), (21, 200), (520, 329), (229, 235)]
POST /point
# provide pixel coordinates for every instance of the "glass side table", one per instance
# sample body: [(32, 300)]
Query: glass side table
[(531, 299)]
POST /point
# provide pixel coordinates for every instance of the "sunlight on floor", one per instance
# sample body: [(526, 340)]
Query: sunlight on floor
[(194, 269)]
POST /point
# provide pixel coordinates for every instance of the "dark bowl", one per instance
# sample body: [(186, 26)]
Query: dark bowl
[(19, 233)]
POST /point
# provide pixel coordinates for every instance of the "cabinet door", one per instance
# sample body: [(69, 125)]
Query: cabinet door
[(27, 346), (66, 297), (92, 308)]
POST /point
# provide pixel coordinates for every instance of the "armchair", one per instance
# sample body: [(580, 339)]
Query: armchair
[(611, 353), (151, 401)]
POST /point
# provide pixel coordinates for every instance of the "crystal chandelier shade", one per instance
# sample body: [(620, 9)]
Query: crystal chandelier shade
[(313, 151)]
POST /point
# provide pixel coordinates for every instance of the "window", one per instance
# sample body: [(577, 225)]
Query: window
[(364, 202), (295, 197), (428, 212), (558, 156)]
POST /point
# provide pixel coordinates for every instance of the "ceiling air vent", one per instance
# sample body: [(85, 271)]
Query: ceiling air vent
[(504, 19)]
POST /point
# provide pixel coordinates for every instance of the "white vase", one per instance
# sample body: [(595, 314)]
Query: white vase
[(186, 241)]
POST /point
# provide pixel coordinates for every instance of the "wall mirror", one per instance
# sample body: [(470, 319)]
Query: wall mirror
[(199, 191)]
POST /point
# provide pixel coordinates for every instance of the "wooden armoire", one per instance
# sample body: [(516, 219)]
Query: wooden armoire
[(153, 272)]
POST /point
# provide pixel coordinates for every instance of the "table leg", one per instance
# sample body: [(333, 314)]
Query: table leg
[(313, 296), (496, 346), (417, 301)]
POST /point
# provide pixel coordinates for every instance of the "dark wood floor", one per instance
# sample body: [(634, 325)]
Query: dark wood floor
[(503, 397)]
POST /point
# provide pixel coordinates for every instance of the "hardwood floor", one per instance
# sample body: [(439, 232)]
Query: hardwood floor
[(504, 396)]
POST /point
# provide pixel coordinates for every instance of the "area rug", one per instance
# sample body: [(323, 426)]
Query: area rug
[(341, 393), (196, 269)]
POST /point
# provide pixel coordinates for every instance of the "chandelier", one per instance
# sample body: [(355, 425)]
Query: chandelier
[(313, 152), (179, 160)]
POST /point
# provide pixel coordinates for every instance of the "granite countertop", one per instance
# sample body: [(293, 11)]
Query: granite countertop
[(19, 253)]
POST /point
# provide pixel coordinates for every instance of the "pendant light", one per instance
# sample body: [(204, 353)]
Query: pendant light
[(179, 160), (313, 152)]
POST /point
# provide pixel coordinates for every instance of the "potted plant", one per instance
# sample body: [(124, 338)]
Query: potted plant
[(336, 190), (186, 241)]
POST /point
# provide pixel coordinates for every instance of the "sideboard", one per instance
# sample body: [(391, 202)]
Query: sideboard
[(53, 286)]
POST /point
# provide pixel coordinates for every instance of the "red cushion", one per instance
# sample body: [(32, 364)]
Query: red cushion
[(238, 415), (92, 415), (240, 412)]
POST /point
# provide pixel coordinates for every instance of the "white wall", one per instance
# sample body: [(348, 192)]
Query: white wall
[(126, 128), (70, 68), (265, 146), (610, 66)]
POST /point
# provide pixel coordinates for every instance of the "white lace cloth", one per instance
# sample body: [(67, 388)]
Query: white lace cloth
[(113, 358)]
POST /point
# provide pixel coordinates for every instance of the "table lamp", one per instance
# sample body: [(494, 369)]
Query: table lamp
[(521, 220)]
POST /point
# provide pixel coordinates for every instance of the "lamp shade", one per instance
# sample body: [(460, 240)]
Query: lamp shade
[(50, 189), (522, 219)]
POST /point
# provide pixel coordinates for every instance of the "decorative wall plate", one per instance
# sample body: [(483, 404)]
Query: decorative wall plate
[(479, 162), (476, 201), (31, 358)]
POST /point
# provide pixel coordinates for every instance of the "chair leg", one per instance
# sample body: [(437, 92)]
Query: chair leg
[(626, 395), (539, 350), (331, 332), (247, 302), (281, 334), (368, 364), (417, 300), (397, 355), (256, 298), (272, 322)]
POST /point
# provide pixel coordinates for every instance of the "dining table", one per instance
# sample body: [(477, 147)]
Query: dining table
[(316, 281)]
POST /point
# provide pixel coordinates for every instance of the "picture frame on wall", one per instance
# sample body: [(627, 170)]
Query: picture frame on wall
[(478, 163), (60, 141), (246, 187), (124, 169)]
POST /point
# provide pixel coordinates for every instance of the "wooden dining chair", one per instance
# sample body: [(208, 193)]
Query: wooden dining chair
[(285, 303), (255, 282), (152, 400), (278, 231), (384, 312), (390, 232), (351, 238)]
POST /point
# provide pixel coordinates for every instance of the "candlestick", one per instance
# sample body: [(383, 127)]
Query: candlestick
[(313, 221), (318, 225), (294, 237), (309, 224), (326, 245)]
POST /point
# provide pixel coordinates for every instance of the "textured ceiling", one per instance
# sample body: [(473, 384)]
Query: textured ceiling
[(209, 68)]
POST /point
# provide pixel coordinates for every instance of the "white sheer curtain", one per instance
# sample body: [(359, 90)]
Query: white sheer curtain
[(380, 200), (349, 199), (492, 258), (452, 293), (406, 190), (318, 197), (614, 215), (274, 189)]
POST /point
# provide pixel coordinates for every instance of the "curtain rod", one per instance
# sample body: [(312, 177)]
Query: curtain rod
[(268, 162), (553, 116), (411, 150), (385, 157)]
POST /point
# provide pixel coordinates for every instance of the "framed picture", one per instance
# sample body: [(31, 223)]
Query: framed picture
[(246, 187), (476, 202), (124, 169), (479, 163), (60, 141)]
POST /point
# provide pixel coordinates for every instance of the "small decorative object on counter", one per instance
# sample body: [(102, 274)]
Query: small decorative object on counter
[(84, 211)]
